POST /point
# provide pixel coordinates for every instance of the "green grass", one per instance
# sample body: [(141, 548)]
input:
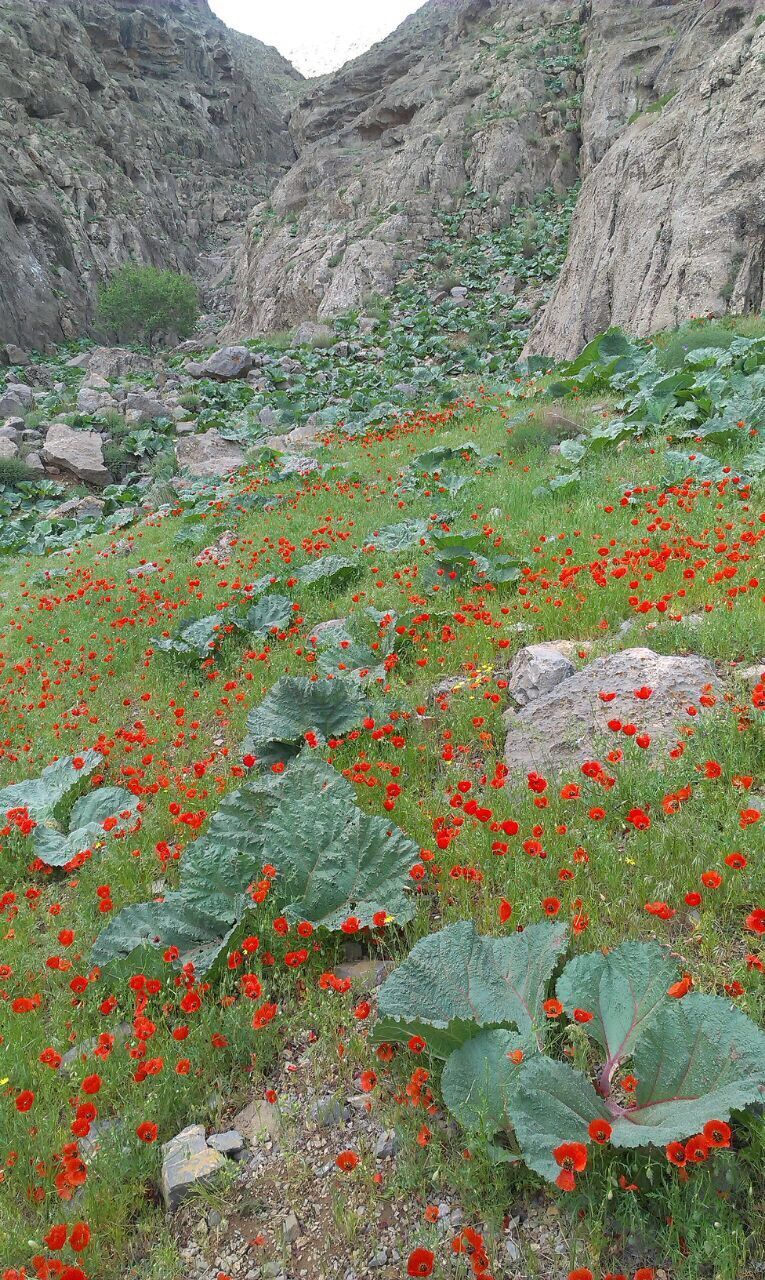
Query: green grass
[(76, 669)]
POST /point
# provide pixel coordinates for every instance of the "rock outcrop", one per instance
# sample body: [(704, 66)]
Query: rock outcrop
[(128, 129), (670, 222), (470, 106), (565, 720)]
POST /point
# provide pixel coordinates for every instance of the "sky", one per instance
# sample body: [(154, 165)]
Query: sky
[(316, 35)]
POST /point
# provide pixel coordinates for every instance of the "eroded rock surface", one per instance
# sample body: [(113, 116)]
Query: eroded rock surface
[(569, 724), (128, 129), (670, 222)]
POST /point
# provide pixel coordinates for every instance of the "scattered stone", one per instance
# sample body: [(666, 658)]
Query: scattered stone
[(208, 454), (257, 1121), (187, 1162), (34, 462), (94, 400), (569, 724), (751, 676), (404, 390), (8, 449), (227, 363), (229, 1143), (78, 452), (535, 670), (16, 400), (291, 1229)]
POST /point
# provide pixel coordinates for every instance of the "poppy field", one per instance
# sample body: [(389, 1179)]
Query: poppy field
[(257, 740)]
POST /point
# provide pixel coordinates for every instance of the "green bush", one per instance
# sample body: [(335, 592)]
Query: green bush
[(143, 304), (14, 471)]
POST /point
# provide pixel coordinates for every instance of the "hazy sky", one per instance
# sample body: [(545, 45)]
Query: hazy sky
[(316, 35)]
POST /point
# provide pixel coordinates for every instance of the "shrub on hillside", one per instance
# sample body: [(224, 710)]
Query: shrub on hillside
[(143, 304)]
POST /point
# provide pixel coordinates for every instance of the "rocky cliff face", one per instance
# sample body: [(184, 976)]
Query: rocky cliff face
[(470, 104), (670, 222), (128, 128)]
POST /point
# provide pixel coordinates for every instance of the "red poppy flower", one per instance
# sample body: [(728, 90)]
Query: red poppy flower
[(581, 1273), (147, 1131), (420, 1262), (717, 1133), (675, 1153), (79, 1238), (697, 1149), (600, 1131), (582, 1016), (553, 1008), (347, 1160), (571, 1157)]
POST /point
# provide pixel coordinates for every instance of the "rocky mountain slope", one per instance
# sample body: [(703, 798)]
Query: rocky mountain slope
[(475, 106), (127, 128), (470, 104), (670, 222)]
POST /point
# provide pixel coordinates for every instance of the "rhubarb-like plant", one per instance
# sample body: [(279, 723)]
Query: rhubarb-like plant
[(661, 1067)]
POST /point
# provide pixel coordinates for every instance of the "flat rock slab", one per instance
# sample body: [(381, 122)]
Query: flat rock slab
[(79, 452), (569, 724), (208, 454), (187, 1162)]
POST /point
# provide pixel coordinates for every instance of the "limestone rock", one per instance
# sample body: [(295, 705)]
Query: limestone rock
[(14, 355), (569, 724), (16, 400), (257, 1121), (227, 363), (536, 670), (94, 400), (187, 1162), (130, 130), (396, 138), (8, 448), (669, 222), (78, 452), (208, 454)]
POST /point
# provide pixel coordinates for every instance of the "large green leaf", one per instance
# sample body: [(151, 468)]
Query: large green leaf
[(103, 803), (271, 613), (455, 982), (479, 1080), (397, 537), (58, 782), (57, 848), (296, 705), (552, 1103), (700, 1059), (201, 637), (331, 859), (336, 572), (624, 990)]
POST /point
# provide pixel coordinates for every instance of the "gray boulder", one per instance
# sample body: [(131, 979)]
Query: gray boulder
[(187, 1162), (94, 400), (142, 406), (114, 362), (227, 363), (16, 400), (536, 670), (78, 452), (569, 724), (8, 448), (208, 454)]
